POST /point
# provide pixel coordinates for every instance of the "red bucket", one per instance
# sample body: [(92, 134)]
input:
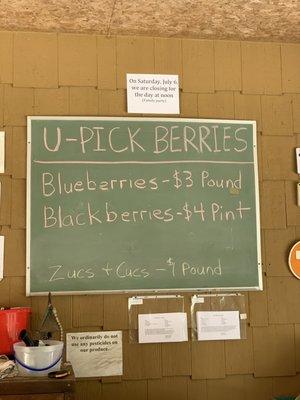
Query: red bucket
[(12, 321)]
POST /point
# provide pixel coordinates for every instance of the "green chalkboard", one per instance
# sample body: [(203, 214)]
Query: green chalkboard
[(138, 204)]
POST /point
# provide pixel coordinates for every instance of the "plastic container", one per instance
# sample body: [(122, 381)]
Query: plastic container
[(38, 360), (12, 321)]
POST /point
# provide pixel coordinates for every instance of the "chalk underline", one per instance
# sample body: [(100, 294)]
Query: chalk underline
[(144, 162)]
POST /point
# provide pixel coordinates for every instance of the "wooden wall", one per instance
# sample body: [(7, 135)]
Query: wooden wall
[(67, 74)]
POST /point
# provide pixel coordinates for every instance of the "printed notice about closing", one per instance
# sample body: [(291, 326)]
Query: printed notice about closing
[(162, 327), (218, 325), (152, 94)]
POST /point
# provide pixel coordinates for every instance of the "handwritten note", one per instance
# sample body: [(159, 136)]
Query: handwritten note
[(95, 354), (162, 327), (218, 325)]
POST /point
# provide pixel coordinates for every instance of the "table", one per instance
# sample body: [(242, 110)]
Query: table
[(38, 387)]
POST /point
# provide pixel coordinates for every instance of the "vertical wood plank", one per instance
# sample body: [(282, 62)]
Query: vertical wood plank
[(290, 67), (168, 57), (6, 59), (277, 115), (88, 310), (168, 388), (18, 207), (227, 65), (107, 66), (273, 211), (141, 361), (129, 60), (77, 60), (274, 350), (35, 60), (264, 59), (198, 66), (171, 353), (18, 104), (214, 355)]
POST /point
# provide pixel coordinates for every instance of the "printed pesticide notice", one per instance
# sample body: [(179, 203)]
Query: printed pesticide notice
[(162, 327), (95, 354), (152, 94), (218, 325)]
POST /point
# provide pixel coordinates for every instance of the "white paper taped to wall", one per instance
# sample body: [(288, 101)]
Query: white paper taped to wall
[(163, 327), (95, 354), (2, 152), (1, 256), (218, 325), (298, 159)]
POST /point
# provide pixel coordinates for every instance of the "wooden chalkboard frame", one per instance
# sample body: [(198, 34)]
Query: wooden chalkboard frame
[(29, 292)]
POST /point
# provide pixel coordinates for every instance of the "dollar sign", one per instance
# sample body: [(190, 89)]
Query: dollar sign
[(188, 212), (178, 181), (171, 263)]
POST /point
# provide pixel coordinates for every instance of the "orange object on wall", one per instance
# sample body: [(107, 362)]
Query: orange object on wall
[(294, 260)]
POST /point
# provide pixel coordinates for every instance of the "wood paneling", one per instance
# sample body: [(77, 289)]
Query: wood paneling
[(290, 67), (264, 59), (6, 59), (168, 57), (35, 60), (277, 115), (129, 60), (228, 65), (65, 74), (107, 66), (198, 66), (213, 353), (77, 60), (18, 104), (273, 349)]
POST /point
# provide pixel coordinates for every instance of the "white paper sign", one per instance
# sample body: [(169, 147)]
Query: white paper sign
[(218, 325), (135, 301), (2, 152), (95, 354), (163, 327), (152, 94), (1, 256), (298, 159)]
